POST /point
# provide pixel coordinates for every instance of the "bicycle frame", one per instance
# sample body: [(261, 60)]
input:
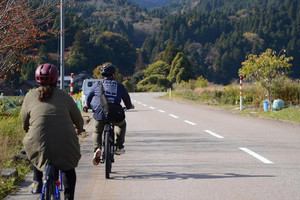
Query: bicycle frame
[(50, 189)]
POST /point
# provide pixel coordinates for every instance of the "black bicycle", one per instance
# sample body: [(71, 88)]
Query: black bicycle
[(51, 189), (108, 148)]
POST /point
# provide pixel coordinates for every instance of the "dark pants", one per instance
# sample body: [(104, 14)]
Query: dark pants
[(69, 181), (120, 130)]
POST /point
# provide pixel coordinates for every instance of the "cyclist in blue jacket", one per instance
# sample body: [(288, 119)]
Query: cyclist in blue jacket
[(115, 93)]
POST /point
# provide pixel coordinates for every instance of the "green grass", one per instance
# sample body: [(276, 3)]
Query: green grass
[(288, 114), (9, 185), (11, 136)]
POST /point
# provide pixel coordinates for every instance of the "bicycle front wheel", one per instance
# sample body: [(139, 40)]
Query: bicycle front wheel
[(107, 155)]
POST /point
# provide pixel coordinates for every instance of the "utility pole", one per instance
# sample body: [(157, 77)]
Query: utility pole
[(62, 45)]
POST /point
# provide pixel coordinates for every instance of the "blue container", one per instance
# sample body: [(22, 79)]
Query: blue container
[(266, 105)]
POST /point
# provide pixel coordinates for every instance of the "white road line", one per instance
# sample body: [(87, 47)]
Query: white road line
[(173, 116), (214, 134), (151, 107), (144, 104), (139, 102), (264, 160), (162, 111), (191, 123)]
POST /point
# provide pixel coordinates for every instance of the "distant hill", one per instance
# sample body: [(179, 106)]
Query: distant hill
[(152, 3)]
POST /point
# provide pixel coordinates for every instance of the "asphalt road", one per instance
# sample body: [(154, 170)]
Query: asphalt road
[(180, 151)]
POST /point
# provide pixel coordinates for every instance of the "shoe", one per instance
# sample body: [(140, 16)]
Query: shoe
[(37, 187), (96, 158), (119, 151)]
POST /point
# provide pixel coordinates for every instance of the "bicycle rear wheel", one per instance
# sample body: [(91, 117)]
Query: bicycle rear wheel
[(48, 192), (107, 154)]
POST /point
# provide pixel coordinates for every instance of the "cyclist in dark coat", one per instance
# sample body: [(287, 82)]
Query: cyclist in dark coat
[(48, 116), (115, 92)]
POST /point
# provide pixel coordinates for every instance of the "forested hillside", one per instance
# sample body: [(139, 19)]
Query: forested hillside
[(212, 37), (151, 3), (217, 36)]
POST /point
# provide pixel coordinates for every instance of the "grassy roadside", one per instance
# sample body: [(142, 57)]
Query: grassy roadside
[(290, 114), (11, 135)]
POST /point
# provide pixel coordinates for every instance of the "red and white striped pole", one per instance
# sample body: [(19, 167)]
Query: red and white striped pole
[(241, 94), (72, 84)]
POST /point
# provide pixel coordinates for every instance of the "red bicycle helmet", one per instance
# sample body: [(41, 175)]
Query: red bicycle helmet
[(46, 74)]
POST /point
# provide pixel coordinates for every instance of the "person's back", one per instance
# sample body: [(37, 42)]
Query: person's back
[(115, 93), (113, 90), (52, 136), (48, 116)]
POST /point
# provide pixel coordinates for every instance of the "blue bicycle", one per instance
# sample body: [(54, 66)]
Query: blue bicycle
[(51, 186)]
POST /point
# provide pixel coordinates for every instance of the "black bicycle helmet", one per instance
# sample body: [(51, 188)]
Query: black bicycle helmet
[(108, 70)]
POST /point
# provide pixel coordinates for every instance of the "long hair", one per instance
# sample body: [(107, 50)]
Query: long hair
[(45, 92)]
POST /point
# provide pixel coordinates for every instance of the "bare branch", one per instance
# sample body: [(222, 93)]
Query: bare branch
[(22, 26)]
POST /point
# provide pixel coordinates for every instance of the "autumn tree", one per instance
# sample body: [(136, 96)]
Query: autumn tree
[(265, 69), (23, 25)]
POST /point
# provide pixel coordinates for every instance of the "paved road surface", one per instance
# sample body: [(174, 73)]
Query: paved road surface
[(180, 151)]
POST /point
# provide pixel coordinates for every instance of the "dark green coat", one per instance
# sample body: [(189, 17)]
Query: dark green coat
[(51, 135)]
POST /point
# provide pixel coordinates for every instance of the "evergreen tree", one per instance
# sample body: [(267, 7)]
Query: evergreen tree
[(170, 53), (181, 69), (77, 59)]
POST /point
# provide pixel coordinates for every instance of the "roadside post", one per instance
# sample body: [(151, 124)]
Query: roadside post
[(72, 84), (241, 94)]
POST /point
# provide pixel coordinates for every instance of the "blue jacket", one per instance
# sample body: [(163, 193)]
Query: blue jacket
[(113, 90)]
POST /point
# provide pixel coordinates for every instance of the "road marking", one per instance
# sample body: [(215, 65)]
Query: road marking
[(139, 102), (214, 134), (191, 123), (144, 104), (173, 116), (162, 111), (264, 160), (151, 107)]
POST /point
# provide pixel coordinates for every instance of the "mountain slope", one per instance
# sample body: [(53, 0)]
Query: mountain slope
[(151, 3)]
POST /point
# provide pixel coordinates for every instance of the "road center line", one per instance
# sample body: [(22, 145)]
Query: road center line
[(144, 104), (264, 160), (214, 134), (162, 111), (151, 107), (191, 123), (173, 116)]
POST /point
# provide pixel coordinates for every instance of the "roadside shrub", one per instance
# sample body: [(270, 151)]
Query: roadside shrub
[(11, 136), (153, 83), (192, 83), (253, 94), (128, 85), (230, 95), (287, 90)]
